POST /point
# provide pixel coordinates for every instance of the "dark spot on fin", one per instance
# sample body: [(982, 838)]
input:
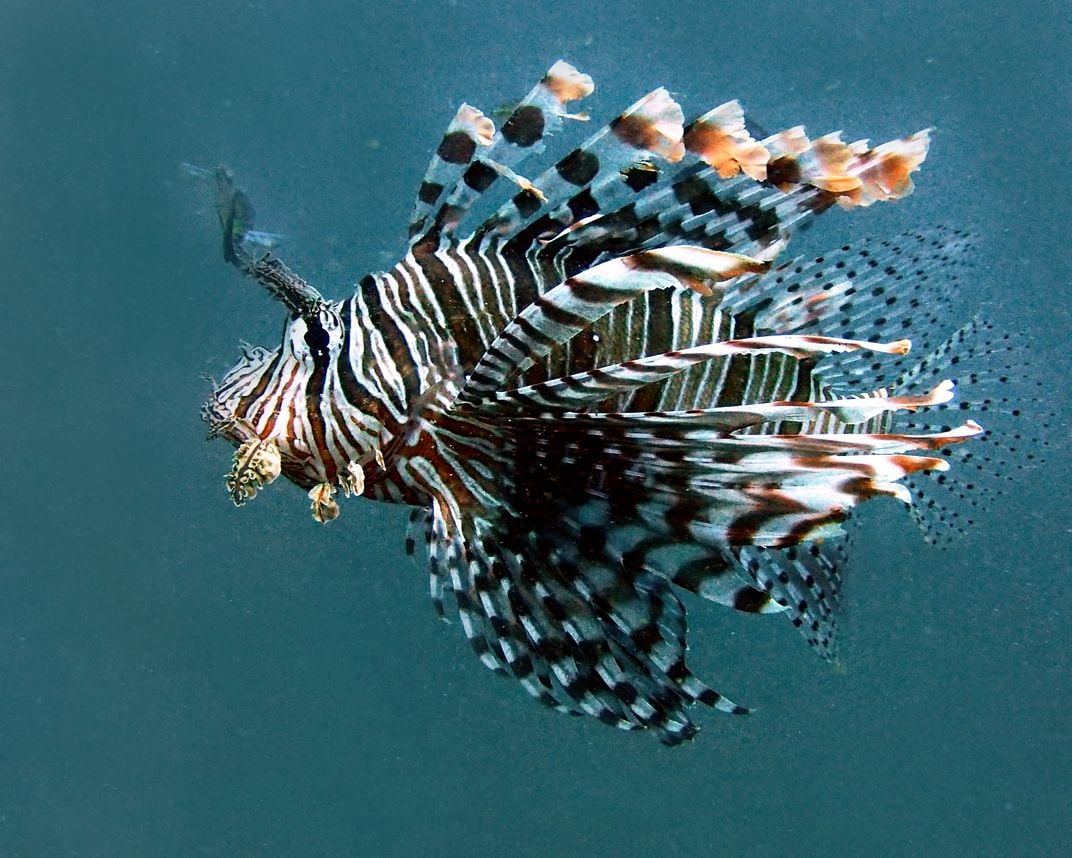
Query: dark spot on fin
[(638, 177), (525, 126), (783, 171), (457, 147), (480, 176), (429, 192), (750, 600), (579, 167)]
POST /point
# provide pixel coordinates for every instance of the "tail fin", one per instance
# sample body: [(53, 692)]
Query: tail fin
[(1000, 387), (903, 287)]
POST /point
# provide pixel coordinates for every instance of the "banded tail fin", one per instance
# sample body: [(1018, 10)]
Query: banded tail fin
[(908, 285), (999, 384)]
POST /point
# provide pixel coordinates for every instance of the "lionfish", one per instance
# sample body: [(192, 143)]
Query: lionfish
[(610, 390)]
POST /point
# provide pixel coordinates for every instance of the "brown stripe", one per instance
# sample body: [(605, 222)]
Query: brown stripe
[(462, 328), (354, 392), (248, 400), (314, 390), (341, 422), (393, 336)]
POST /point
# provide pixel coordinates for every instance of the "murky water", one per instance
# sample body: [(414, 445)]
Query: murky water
[(180, 677)]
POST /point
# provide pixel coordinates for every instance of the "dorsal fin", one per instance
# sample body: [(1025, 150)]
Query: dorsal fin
[(642, 136), (473, 155), (468, 131)]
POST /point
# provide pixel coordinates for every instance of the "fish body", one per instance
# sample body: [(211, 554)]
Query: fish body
[(611, 389)]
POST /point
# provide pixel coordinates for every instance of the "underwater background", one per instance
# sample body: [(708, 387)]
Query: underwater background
[(178, 677)]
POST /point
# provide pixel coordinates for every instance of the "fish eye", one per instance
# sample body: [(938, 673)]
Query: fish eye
[(318, 340)]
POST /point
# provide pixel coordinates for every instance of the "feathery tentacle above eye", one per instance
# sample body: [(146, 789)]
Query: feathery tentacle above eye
[(236, 216)]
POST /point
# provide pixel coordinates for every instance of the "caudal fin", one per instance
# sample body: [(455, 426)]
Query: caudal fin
[(998, 386)]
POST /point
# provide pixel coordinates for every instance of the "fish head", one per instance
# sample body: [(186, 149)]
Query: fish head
[(270, 404)]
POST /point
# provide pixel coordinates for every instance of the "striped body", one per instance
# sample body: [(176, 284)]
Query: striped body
[(390, 382), (607, 390)]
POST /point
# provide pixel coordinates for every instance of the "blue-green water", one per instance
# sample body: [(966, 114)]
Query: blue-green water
[(178, 677)]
